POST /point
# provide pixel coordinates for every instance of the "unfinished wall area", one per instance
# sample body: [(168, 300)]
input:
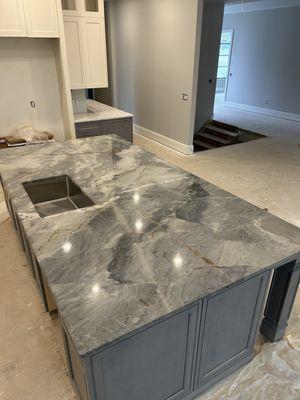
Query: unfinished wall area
[(28, 72), (265, 61), (153, 51)]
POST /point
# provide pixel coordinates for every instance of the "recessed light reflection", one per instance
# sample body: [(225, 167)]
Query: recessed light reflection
[(136, 198), (177, 261), (138, 225), (67, 246), (96, 288)]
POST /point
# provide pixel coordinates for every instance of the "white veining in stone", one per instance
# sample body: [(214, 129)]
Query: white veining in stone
[(100, 112), (157, 240)]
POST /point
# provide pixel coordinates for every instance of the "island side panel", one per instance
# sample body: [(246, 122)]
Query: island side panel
[(76, 367), (281, 298), (155, 364), (122, 127), (119, 126), (229, 325)]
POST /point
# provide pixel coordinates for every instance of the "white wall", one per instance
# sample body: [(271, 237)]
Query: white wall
[(265, 62), (28, 72), (154, 60)]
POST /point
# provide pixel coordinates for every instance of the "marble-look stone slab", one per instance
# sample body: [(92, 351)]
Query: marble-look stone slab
[(157, 240), (100, 112)]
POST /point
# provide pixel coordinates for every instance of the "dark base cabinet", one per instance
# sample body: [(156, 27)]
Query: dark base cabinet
[(284, 286), (120, 126), (228, 329), (179, 357)]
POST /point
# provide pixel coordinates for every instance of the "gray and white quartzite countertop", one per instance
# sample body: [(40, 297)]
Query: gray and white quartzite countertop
[(157, 239)]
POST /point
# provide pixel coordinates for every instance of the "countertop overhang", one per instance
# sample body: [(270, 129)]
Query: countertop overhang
[(100, 112), (157, 239)]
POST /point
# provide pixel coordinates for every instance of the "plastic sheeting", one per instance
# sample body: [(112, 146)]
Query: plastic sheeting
[(31, 135), (274, 374)]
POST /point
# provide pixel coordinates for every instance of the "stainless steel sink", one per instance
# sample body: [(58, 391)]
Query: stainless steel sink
[(56, 195)]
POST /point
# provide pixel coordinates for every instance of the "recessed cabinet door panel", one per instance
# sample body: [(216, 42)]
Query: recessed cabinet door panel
[(41, 18), (12, 18), (155, 364), (229, 326), (87, 129), (73, 35), (95, 52)]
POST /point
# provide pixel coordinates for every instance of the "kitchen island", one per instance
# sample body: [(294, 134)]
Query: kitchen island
[(161, 283)]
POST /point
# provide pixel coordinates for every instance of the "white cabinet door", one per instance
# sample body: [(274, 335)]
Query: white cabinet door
[(95, 52), (74, 44), (12, 19), (41, 18)]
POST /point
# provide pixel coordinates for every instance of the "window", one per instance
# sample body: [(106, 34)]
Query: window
[(225, 53)]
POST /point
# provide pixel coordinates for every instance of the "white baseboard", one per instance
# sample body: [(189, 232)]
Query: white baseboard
[(157, 137), (264, 111)]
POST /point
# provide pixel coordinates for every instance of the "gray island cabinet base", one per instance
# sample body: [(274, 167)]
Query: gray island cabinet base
[(179, 357), (121, 126), (282, 295)]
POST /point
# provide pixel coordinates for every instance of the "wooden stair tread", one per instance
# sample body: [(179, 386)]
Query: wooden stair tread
[(203, 144), (220, 130), (213, 137), (224, 125)]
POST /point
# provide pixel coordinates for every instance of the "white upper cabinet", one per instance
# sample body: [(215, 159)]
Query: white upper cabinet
[(29, 18), (41, 18), (84, 26), (12, 18), (83, 8)]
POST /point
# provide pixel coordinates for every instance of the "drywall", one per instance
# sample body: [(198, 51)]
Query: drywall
[(208, 64), (265, 61), (153, 55), (28, 72)]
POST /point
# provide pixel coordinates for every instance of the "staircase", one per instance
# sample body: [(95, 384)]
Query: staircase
[(215, 134)]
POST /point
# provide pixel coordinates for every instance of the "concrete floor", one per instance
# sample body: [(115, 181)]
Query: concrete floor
[(269, 126), (32, 367), (265, 172)]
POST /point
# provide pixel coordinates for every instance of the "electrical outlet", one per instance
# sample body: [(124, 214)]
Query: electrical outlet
[(184, 97)]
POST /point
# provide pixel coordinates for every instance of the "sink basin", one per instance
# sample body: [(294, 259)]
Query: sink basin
[(56, 195)]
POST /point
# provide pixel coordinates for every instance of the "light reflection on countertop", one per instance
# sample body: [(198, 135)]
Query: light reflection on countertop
[(157, 239)]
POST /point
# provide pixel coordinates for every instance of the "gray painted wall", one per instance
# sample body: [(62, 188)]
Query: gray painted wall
[(265, 63), (209, 54), (154, 56), (105, 95)]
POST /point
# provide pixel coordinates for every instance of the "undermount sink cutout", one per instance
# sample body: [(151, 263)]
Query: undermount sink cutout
[(56, 195)]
